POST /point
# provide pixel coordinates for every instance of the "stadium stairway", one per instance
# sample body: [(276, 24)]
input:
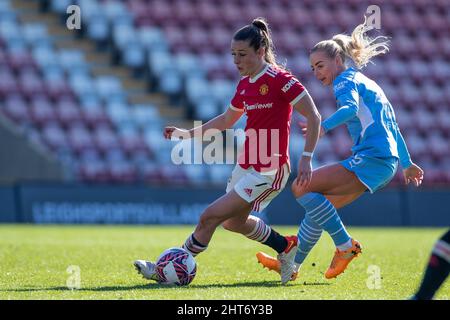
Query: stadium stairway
[(101, 62), (24, 160)]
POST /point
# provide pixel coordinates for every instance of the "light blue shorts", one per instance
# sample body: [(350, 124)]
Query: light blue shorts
[(374, 173)]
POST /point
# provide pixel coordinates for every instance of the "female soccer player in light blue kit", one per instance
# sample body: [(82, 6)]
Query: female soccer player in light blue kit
[(378, 147)]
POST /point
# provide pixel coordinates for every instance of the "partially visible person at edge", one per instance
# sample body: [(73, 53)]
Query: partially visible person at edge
[(437, 270)]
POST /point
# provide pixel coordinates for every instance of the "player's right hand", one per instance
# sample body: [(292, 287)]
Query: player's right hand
[(178, 133), (168, 131), (413, 174)]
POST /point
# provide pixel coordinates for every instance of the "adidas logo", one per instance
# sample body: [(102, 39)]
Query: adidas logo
[(248, 191)]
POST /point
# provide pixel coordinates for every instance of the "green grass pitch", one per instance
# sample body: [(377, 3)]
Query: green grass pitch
[(34, 261)]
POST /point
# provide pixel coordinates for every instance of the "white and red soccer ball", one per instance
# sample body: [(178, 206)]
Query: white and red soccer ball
[(176, 266)]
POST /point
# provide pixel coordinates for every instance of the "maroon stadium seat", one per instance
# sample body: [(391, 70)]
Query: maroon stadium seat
[(31, 84), (54, 136), (42, 111), (80, 138), (67, 112), (94, 115), (438, 145), (105, 138), (16, 109)]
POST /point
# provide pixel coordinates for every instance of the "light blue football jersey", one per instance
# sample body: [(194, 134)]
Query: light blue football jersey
[(369, 117)]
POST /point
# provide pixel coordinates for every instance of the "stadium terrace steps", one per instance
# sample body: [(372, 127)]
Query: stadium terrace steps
[(23, 5), (159, 100), (99, 61), (25, 160)]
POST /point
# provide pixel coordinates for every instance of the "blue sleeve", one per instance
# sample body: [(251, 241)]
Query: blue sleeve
[(347, 97), (405, 158)]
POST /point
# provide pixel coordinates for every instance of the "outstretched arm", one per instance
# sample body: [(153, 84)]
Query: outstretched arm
[(224, 121), (347, 98), (341, 116)]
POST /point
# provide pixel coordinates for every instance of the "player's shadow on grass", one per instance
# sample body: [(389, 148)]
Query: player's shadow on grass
[(155, 286)]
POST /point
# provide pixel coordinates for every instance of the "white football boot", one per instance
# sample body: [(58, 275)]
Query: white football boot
[(286, 258), (147, 269)]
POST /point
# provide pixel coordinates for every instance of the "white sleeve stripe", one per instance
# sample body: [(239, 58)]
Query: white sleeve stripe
[(301, 95), (235, 109)]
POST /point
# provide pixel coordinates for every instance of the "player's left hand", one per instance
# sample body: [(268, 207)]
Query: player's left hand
[(304, 175), (413, 174)]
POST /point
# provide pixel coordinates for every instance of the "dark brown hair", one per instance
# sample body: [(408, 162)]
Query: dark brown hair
[(259, 36)]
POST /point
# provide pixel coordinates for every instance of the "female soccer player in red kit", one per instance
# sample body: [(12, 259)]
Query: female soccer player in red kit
[(267, 93)]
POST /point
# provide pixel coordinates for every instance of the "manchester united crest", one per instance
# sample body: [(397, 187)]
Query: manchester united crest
[(264, 89)]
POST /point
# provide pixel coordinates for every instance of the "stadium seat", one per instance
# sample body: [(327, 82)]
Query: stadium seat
[(105, 138), (36, 33), (42, 111), (31, 84), (438, 145), (423, 119), (8, 84), (152, 38), (67, 112), (94, 171), (131, 141), (443, 121), (417, 145), (54, 136), (80, 138), (16, 109)]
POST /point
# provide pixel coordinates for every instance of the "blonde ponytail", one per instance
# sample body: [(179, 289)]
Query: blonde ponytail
[(358, 47)]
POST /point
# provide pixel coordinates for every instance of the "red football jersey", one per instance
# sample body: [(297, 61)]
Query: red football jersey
[(267, 99)]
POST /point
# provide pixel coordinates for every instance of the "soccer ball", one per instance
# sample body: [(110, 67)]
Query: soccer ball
[(176, 266)]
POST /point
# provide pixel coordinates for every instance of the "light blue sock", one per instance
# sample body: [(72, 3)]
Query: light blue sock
[(322, 212), (308, 235)]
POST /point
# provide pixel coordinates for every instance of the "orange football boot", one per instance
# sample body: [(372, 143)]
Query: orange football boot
[(341, 260), (274, 264)]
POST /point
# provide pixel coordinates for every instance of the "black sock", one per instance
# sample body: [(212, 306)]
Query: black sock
[(196, 242), (437, 271), (276, 241), (193, 246)]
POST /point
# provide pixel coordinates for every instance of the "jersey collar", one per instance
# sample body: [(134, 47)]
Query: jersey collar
[(259, 75), (343, 74)]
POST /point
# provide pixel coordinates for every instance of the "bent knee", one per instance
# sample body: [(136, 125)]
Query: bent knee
[(232, 225), (228, 225), (298, 191)]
